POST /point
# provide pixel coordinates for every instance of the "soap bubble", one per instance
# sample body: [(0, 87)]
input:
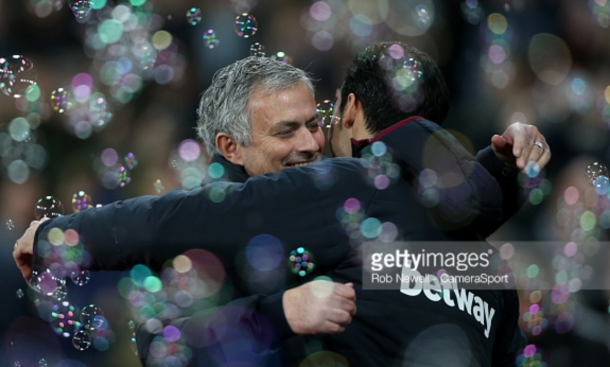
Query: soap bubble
[(130, 161), (594, 170), (281, 56), (193, 16), (257, 49), (80, 277), (245, 25), (48, 207), (122, 176), (17, 75), (61, 100), (210, 39), (92, 318), (81, 340), (64, 319), (80, 8), (325, 110), (81, 201)]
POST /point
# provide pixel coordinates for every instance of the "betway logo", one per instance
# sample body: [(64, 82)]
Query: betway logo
[(435, 290)]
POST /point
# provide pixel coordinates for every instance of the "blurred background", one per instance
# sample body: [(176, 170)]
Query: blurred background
[(104, 104)]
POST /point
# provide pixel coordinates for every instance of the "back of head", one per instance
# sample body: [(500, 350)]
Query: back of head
[(224, 105), (394, 81)]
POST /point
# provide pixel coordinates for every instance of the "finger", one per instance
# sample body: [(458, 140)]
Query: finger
[(340, 317), (502, 147), (499, 143), (545, 158), (535, 154), (344, 305), (521, 148), (329, 327), (345, 291)]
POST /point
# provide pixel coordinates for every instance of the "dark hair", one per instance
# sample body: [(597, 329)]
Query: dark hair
[(394, 81)]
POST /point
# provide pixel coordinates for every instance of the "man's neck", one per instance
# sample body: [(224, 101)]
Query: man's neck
[(359, 130)]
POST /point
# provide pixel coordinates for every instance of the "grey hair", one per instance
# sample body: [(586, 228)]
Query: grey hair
[(224, 105)]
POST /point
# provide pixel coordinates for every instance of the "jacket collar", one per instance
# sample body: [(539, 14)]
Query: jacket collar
[(233, 172), (358, 145)]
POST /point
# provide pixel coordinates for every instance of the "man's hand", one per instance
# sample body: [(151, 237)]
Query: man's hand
[(320, 307), (520, 144), (24, 247)]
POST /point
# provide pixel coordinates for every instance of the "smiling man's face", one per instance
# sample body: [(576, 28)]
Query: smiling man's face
[(285, 130)]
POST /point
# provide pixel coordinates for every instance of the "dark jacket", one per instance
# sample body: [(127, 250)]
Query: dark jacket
[(299, 207)]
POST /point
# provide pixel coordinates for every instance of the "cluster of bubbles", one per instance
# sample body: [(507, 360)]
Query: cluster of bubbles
[(86, 327), (581, 217), (189, 283), (245, 26), (496, 62), (381, 171), (18, 148), (301, 262), (402, 72), (113, 171), (535, 186), (129, 48), (63, 255), (86, 110), (191, 165), (359, 228), (531, 357), (327, 22)]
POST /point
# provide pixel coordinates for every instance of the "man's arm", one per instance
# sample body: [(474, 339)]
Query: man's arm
[(509, 153), (150, 230), (312, 308)]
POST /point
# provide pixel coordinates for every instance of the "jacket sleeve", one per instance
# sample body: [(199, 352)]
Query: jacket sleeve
[(436, 163), (247, 328), (512, 198), (150, 230), (510, 340)]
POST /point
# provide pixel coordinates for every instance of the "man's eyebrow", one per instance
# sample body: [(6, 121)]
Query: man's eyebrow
[(295, 124)]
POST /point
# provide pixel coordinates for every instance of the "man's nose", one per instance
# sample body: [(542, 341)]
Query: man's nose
[(306, 142)]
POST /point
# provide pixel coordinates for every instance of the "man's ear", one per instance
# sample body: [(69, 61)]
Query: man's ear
[(229, 148), (350, 111)]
